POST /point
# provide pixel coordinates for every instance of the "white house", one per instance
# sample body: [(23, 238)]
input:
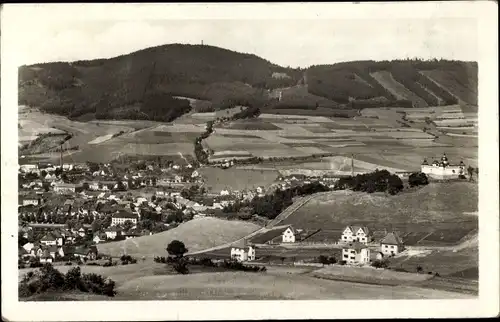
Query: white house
[(243, 252), (356, 253), (99, 237), (123, 216), (28, 168), (288, 235), (65, 188), (443, 169), (112, 232), (35, 201), (259, 190), (48, 240), (194, 174), (392, 244), (46, 258), (224, 193), (355, 233)]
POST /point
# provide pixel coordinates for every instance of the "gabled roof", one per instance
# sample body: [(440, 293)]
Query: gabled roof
[(46, 254), (355, 229), (270, 234), (125, 214), (391, 239), (48, 237)]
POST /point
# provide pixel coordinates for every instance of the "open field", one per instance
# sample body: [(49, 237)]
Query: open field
[(197, 234), (433, 207), (217, 179)]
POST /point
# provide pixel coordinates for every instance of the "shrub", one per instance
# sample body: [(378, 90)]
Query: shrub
[(418, 179), (379, 264)]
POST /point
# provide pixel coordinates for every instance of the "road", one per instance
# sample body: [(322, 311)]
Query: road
[(282, 216)]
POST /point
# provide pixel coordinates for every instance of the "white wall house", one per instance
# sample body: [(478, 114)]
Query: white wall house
[(392, 244), (288, 235), (242, 254), (356, 233), (356, 253), (122, 217), (443, 169), (31, 201)]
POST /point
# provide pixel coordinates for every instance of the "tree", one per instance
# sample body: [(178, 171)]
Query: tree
[(127, 225), (177, 248), (417, 179), (470, 171)]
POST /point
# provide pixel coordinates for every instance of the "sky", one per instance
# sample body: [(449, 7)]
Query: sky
[(287, 42)]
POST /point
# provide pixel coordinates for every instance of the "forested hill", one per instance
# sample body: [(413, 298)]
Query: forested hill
[(145, 84)]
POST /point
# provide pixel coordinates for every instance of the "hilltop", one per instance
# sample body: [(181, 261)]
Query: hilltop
[(155, 84)]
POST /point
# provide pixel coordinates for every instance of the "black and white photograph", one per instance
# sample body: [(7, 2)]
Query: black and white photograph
[(276, 153)]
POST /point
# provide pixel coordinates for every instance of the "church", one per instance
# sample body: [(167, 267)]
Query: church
[(443, 169)]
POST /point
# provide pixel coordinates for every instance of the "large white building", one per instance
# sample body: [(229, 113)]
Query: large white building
[(123, 216), (443, 169), (243, 252), (356, 233), (356, 253)]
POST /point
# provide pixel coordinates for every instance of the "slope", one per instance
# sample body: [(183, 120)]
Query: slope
[(196, 234)]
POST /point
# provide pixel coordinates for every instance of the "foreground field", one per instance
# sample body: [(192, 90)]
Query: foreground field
[(197, 234), (154, 282)]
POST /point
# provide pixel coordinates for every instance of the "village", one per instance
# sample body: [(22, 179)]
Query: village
[(65, 210)]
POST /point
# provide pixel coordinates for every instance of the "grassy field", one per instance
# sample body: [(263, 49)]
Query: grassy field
[(196, 234), (217, 179), (155, 282), (436, 206)]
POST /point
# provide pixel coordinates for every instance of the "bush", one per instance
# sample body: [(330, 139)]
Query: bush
[(49, 278), (379, 264), (68, 263), (418, 179)]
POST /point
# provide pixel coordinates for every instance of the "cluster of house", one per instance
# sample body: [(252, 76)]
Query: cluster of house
[(286, 182), (356, 242), (56, 244)]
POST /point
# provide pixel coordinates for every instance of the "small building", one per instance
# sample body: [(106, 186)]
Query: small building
[(288, 236), (86, 252), (46, 258), (356, 253), (99, 237), (31, 200), (356, 233), (243, 252), (48, 240), (130, 234), (112, 232), (65, 187), (391, 244), (123, 216)]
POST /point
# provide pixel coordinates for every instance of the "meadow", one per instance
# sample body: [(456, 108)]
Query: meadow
[(197, 234), (216, 179)]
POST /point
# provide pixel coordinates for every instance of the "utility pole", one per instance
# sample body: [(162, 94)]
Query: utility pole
[(352, 165)]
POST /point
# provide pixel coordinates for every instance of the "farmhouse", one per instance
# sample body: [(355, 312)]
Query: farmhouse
[(123, 216), (243, 252), (443, 169), (48, 240), (356, 253), (356, 233), (391, 244)]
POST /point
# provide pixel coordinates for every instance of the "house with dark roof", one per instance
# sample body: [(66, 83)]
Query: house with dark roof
[(112, 232), (356, 233), (48, 240), (355, 253), (46, 258), (391, 244), (86, 252)]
